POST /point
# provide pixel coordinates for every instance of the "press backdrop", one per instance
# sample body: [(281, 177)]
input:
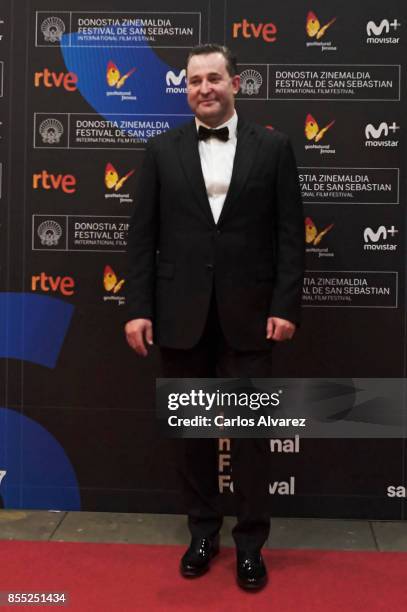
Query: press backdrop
[(82, 88)]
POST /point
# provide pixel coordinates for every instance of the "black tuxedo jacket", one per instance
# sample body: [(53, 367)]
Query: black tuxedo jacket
[(253, 257)]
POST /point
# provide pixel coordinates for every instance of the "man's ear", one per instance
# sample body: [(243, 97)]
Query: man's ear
[(236, 83)]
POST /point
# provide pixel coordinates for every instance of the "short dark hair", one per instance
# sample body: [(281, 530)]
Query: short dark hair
[(230, 59)]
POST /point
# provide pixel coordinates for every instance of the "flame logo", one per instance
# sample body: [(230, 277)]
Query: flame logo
[(312, 130), (112, 180), (312, 236), (113, 76), (110, 281), (313, 26)]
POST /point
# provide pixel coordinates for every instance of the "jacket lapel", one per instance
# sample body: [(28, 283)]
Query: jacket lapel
[(191, 164), (246, 150)]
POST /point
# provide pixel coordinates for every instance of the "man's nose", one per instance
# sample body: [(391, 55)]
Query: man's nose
[(205, 86)]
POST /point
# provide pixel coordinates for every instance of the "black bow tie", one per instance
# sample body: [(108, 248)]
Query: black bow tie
[(205, 133)]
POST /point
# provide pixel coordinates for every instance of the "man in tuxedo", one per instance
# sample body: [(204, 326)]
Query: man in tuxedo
[(216, 249)]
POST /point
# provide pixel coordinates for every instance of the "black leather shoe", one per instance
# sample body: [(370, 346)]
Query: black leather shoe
[(251, 571), (196, 560)]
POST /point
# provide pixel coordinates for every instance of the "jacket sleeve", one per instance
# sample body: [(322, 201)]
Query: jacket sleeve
[(289, 239), (142, 242)]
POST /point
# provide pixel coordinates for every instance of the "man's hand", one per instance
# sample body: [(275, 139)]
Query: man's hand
[(279, 329), (138, 332)]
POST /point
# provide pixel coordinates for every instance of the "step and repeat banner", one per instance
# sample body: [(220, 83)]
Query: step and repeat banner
[(82, 89)]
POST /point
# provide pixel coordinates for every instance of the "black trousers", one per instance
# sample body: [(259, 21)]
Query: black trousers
[(197, 459)]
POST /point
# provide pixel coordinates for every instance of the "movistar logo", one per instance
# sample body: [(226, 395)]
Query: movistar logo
[(176, 83), (377, 30), (370, 236), (380, 234), (381, 33), (382, 130), (380, 137), (384, 26), (173, 79)]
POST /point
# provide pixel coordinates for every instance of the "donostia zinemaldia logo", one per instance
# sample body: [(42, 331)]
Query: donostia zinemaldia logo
[(49, 232), (51, 131), (52, 29), (251, 81)]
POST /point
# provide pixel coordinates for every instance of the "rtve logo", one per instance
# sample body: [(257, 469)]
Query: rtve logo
[(267, 31), (47, 78), (45, 180), (62, 284), (382, 130)]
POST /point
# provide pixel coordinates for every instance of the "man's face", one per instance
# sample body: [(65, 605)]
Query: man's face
[(210, 88)]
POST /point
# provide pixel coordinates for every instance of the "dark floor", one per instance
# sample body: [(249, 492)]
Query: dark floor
[(171, 529)]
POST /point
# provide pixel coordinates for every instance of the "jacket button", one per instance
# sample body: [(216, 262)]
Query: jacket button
[(210, 266)]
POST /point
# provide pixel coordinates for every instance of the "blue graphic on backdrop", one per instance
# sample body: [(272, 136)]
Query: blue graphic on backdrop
[(38, 474), (125, 81), (33, 327)]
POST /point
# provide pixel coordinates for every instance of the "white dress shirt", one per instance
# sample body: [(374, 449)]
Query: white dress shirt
[(217, 164)]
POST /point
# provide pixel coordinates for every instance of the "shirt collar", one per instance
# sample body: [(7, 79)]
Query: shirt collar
[(230, 123)]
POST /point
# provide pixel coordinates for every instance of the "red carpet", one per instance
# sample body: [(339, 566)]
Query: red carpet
[(127, 577)]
